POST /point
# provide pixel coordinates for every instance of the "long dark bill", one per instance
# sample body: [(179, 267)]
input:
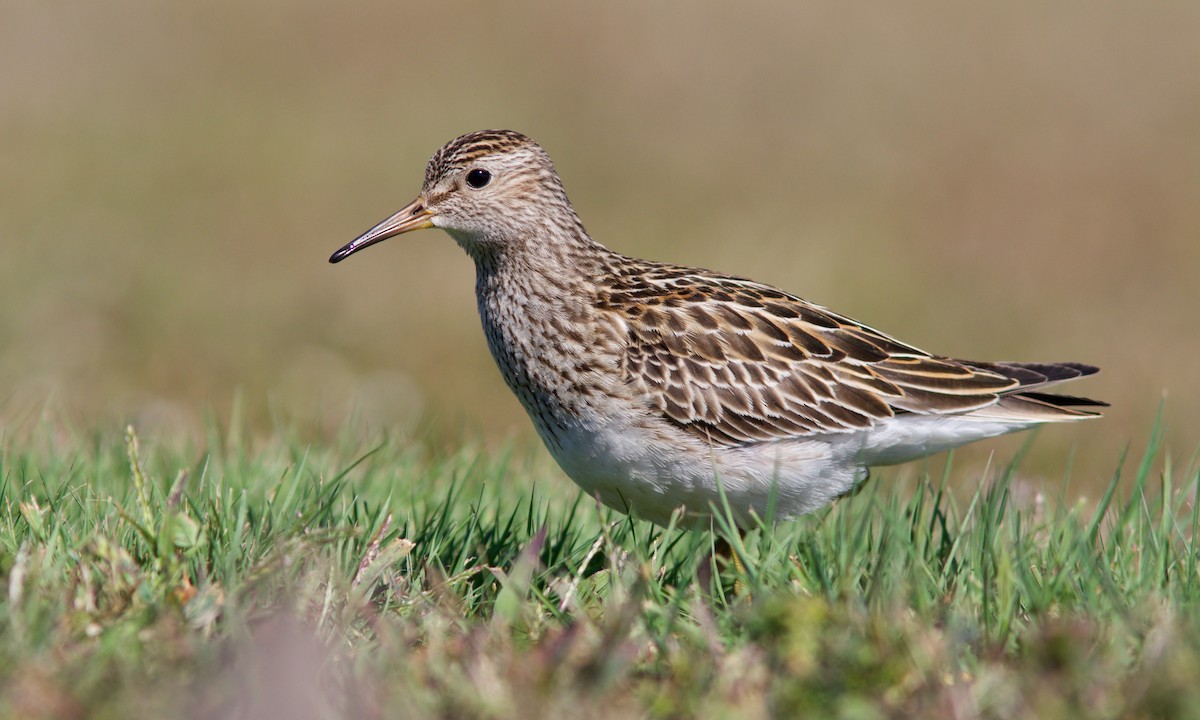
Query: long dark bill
[(413, 216)]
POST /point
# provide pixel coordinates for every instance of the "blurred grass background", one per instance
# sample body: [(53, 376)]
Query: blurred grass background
[(997, 180)]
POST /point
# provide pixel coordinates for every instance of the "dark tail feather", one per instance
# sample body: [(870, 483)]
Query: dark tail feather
[(1063, 400), (1031, 375), (1026, 401)]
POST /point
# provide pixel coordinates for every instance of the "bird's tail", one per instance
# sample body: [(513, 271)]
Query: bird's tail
[(1026, 402)]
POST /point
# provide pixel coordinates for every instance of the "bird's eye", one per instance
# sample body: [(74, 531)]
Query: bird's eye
[(478, 177)]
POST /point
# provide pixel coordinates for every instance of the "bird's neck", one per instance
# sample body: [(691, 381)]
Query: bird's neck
[(538, 309), (547, 263)]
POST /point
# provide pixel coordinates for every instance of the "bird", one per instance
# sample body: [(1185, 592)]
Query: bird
[(674, 393)]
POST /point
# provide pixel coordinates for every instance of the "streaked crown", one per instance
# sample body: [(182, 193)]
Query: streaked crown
[(464, 150)]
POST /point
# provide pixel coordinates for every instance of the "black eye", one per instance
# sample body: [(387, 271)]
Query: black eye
[(478, 177)]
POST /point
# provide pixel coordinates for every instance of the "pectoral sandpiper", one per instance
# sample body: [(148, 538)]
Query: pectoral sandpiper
[(653, 385)]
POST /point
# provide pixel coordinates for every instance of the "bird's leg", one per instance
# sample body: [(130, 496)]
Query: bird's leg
[(723, 555), (857, 487)]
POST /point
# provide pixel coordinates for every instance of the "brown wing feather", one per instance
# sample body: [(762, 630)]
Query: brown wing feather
[(738, 362)]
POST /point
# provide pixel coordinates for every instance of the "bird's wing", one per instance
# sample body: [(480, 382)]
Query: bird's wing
[(738, 362)]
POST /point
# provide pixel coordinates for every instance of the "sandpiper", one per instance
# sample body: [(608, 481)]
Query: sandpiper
[(655, 386)]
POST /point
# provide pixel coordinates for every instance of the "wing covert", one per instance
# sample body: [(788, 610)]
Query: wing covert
[(737, 362)]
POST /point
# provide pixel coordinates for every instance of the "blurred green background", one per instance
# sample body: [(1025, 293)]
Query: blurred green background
[(996, 180)]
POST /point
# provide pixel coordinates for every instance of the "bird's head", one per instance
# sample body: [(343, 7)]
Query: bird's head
[(490, 190)]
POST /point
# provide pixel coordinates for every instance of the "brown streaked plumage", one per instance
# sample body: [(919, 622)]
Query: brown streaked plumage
[(652, 383)]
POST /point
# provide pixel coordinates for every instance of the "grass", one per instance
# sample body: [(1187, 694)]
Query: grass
[(390, 579)]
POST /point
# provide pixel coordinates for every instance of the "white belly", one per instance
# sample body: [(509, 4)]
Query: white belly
[(637, 470), (653, 470)]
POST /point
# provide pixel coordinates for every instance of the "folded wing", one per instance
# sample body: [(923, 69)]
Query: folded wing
[(738, 362)]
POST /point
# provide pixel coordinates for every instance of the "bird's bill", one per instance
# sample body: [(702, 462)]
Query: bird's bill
[(413, 216)]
